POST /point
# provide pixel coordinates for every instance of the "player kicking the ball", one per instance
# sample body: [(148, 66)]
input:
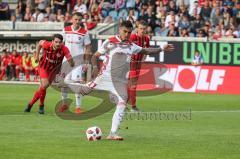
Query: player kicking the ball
[(118, 51), (49, 66)]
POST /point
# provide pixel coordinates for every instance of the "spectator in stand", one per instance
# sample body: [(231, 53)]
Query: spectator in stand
[(172, 7), (28, 15), (80, 7), (4, 11), (5, 68), (50, 15), (88, 22), (59, 4), (184, 22), (19, 16), (42, 4), (171, 18), (195, 9), (197, 24), (206, 11), (173, 31), (183, 11), (27, 65), (230, 33), (219, 32), (59, 15), (131, 16), (184, 32), (21, 6), (37, 16), (216, 17), (67, 19)]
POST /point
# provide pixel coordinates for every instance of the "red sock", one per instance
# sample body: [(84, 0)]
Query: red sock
[(42, 96), (132, 96), (27, 73), (35, 97)]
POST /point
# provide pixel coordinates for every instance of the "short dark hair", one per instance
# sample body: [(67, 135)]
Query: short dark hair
[(77, 14), (142, 22), (59, 36), (127, 24)]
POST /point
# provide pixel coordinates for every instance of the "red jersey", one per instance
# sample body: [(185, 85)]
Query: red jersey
[(16, 60), (5, 60), (52, 59), (140, 41)]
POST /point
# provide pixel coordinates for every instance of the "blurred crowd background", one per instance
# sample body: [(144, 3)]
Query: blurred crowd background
[(173, 18), (194, 18)]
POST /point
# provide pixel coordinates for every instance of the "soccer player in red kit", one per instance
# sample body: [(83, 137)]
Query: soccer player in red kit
[(49, 66), (16, 64), (5, 60), (141, 39)]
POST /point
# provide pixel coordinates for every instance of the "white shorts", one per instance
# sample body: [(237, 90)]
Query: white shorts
[(75, 75), (116, 88)]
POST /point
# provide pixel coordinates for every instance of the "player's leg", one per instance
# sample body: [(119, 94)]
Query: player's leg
[(132, 85), (17, 71), (64, 93), (40, 93), (132, 93), (121, 97), (45, 83), (77, 77)]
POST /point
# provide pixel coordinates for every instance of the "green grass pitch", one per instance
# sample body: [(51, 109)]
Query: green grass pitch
[(212, 133)]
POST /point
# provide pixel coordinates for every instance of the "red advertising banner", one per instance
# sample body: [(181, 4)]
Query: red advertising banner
[(187, 78)]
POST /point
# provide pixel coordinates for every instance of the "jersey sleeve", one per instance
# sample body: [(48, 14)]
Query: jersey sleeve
[(66, 53), (44, 44), (135, 48), (86, 39), (103, 48)]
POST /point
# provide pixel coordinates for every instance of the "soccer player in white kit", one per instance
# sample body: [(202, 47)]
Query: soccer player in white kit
[(78, 42), (111, 77)]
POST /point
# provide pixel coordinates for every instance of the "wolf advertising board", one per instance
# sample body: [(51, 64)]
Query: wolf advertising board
[(187, 78)]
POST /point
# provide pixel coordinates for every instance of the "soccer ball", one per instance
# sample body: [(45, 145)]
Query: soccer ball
[(94, 133)]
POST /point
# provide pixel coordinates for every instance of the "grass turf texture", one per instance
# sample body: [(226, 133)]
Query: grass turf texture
[(212, 133)]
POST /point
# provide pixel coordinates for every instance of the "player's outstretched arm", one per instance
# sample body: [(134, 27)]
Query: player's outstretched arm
[(148, 51)]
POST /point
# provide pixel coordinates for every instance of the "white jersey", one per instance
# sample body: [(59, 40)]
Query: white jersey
[(117, 57), (76, 40)]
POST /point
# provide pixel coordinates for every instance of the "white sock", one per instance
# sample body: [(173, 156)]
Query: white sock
[(64, 94), (117, 117), (78, 100)]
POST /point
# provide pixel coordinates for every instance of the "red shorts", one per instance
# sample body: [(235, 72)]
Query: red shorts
[(135, 65), (46, 74)]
